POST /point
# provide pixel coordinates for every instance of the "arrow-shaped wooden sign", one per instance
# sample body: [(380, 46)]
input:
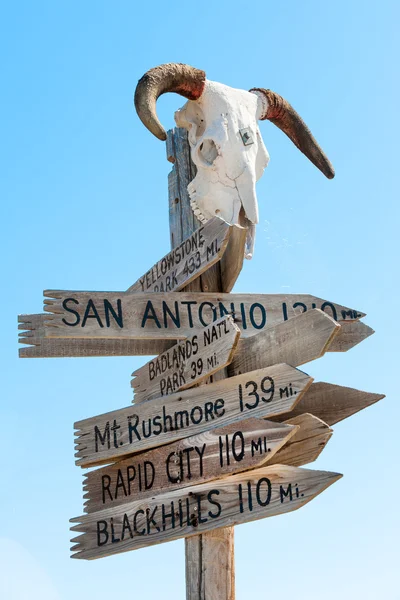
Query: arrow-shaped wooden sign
[(295, 342), (32, 333), (265, 492), (222, 451), (203, 457), (186, 262), (331, 403), (189, 362), (306, 444), (171, 315), (159, 421)]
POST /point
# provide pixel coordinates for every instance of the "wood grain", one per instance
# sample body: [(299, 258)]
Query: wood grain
[(187, 363), (265, 492), (306, 444), (257, 394), (196, 459), (332, 403), (184, 263), (295, 342), (126, 315), (350, 334), (210, 571)]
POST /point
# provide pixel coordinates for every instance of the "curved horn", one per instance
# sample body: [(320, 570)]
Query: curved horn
[(173, 77), (283, 115)]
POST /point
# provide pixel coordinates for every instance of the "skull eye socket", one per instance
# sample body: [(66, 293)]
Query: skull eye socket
[(208, 152)]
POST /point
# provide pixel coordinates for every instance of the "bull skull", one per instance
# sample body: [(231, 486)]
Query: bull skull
[(225, 141)]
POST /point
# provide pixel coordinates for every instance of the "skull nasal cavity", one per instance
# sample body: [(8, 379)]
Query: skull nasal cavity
[(208, 151)]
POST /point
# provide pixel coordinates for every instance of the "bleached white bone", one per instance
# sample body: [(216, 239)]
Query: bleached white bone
[(228, 163)]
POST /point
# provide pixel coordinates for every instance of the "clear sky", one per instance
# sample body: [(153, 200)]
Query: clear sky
[(84, 197)]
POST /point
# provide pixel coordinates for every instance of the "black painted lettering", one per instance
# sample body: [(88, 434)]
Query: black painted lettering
[(117, 315), (219, 407), (103, 438), (132, 428), (200, 518), (174, 317), (150, 313), (214, 313), (150, 520), (256, 446), (214, 515), (102, 531), (126, 527), (192, 415), (171, 458), (130, 475), (149, 474), (189, 310), (200, 452), (208, 411), (238, 447), (181, 419), (114, 539), (120, 484), (258, 491), (284, 494), (70, 310), (263, 319), (135, 529), (170, 515), (105, 487), (91, 307)]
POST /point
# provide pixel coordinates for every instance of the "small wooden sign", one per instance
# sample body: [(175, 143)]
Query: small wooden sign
[(187, 261), (265, 492), (332, 403), (36, 345), (196, 459), (306, 444), (172, 315), (295, 342), (189, 362), (159, 421)]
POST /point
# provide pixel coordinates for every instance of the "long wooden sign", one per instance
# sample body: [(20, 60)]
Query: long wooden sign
[(295, 342), (189, 362), (187, 261), (265, 492), (38, 346), (218, 452), (331, 403), (159, 421), (306, 444), (210, 455), (171, 315)]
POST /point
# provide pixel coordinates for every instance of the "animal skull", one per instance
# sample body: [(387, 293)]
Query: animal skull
[(226, 144), (228, 151)]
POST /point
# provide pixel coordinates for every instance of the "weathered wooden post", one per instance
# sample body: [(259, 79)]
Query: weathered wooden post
[(210, 563), (246, 346)]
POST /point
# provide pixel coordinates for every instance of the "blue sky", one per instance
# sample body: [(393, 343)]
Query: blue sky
[(84, 191)]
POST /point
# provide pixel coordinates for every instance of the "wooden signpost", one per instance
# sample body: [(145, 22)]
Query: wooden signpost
[(187, 261), (196, 459), (306, 444), (195, 454), (152, 316), (260, 394), (265, 492), (188, 362), (37, 345), (238, 447), (333, 403)]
